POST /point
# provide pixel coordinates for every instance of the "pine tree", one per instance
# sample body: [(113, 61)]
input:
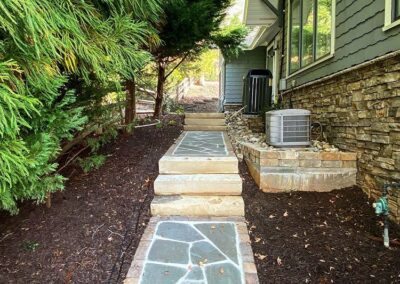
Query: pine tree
[(50, 50)]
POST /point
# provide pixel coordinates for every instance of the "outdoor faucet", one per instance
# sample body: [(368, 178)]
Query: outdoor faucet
[(382, 208)]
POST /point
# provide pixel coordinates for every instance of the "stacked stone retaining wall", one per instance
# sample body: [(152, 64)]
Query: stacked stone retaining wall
[(360, 112)]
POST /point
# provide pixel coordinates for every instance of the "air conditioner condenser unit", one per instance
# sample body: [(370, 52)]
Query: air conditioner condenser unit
[(288, 128)]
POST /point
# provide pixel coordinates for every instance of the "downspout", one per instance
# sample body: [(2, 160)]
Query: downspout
[(281, 19)]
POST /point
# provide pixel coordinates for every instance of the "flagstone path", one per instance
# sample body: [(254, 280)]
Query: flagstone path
[(196, 237)]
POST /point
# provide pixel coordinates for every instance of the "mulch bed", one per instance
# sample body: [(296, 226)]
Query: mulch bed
[(92, 230), (318, 237)]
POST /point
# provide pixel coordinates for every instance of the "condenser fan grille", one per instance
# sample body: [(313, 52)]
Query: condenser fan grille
[(296, 128), (289, 127)]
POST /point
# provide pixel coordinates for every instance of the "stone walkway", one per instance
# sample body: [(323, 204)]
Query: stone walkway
[(196, 237), (194, 250)]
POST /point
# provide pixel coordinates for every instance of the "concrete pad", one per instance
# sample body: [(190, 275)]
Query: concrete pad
[(205, 115), (204, 128), (183, 205), (199, 184), (205, 121)]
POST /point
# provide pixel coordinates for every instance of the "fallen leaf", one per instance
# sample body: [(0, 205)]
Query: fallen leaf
[(285, 214), (295, 235), (213, 227), (260, 256), (271, 216), (306, 245), (257, 240), (279, 261), (221, 270)]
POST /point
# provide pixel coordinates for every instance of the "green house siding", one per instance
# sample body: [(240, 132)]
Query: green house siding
[(236, 69), (358, 38)]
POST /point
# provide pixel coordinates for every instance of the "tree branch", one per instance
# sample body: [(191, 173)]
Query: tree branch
[(176, 66)]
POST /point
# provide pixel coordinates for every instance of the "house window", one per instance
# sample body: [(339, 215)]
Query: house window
[(392, 14), (396, 10), (310, 27)]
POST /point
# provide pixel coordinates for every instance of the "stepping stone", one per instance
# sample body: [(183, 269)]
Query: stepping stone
[(196, 274), (161, 273), (178, 231), (224, 273), (199, 184), (185, 205), (205, 253), (169, 252), (223, 237)]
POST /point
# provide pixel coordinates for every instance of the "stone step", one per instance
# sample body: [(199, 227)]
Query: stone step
[(184, 205), (198, 165), (198, 184), (205, 121), (205, 115), (204, 128)]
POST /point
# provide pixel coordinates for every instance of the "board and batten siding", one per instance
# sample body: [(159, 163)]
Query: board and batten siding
[(236, 69), (359, 37)]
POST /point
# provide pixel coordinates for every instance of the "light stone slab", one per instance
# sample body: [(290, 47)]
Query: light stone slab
[(205, 115), (205, 121), (184, 205), (198, 165), (199, 184)]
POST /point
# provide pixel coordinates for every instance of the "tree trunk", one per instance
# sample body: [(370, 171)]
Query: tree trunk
[(130, 108), (160, 90)]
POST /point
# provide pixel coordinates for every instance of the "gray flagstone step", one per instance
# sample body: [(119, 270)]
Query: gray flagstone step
[(198, 184), (185, 205)]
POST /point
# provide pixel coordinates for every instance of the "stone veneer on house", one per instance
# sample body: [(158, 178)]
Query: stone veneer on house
[(288, 170), (360, 112)]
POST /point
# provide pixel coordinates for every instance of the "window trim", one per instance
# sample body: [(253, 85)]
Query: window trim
[(288, 42), (391, 20)]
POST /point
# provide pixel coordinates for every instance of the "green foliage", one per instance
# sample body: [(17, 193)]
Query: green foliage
[(172, 106), (230, 38), (188, 26), (93, 162), (53, 55), (172, 122), (30, 246)]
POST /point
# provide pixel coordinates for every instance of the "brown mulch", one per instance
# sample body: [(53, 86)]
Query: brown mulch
[(92, 230), (312, 237)]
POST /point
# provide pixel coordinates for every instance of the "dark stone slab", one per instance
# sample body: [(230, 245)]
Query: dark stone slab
[(223, 236), (178, 231), (169, 252), (160, 273), (205, 252), (224, 273)]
